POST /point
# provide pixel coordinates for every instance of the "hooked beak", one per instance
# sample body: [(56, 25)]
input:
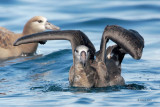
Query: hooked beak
[(83, 57), (51, 26)]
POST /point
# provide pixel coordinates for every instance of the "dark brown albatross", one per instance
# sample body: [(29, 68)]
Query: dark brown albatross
[(105, 70)]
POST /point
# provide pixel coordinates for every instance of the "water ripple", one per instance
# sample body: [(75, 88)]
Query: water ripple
[(43, 79)]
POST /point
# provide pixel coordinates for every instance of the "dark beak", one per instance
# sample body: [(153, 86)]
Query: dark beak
[(83, 58)]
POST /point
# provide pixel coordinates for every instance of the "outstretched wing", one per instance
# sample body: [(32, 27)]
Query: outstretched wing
[(76, 37), (129, 40)]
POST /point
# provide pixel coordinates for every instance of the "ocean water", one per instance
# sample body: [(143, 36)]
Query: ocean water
[(43, 79)]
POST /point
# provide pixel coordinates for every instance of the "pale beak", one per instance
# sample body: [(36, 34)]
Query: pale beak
[(51, 26), (83, 58)]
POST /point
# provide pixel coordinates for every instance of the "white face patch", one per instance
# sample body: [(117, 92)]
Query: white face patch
[(38, 25), (80, 49), (109, 55)]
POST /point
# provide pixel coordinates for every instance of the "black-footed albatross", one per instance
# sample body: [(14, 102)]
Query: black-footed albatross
[(7, 38), (103, 71)]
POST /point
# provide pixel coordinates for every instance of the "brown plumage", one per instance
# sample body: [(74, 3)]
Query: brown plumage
[(103, 71), (7, 38)]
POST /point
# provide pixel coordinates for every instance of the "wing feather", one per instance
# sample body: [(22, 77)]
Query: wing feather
[(129, 40), (76, 37)]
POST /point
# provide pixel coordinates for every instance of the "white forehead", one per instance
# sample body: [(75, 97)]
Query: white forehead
[(36, 18), (43, 18), (82, 48)]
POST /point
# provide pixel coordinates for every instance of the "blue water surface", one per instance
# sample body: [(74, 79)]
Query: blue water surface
[(43, 79)]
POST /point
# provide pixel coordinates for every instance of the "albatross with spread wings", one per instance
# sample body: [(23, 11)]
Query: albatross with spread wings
[(103, 71)]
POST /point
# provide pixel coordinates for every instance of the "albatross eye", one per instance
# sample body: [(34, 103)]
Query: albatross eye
[(40, 21), (76, 51)]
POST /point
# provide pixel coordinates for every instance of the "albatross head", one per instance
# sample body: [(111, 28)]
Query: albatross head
[(82, 54), (38, 24)]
